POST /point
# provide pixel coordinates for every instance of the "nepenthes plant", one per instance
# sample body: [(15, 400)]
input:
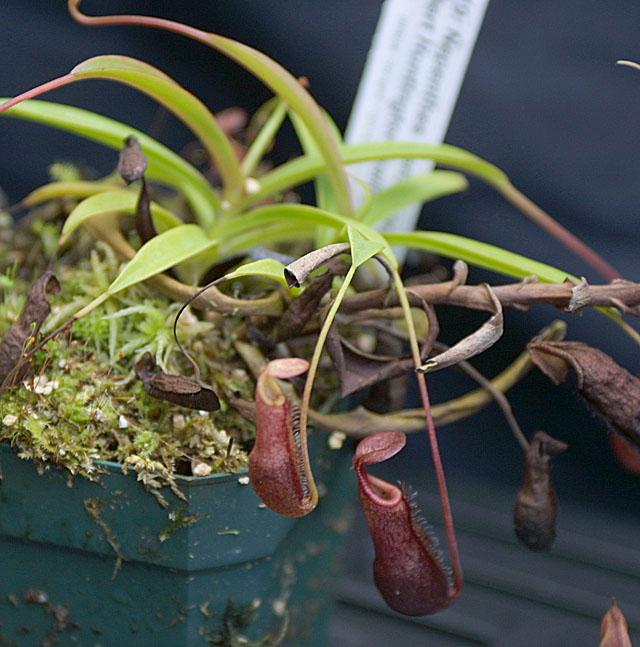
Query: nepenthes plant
[(324, 297)]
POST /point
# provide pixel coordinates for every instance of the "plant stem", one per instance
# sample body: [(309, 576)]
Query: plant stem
[(98, 301), (557, 231), (433, 440), (317, 351), (361, 422), (499, 397), (623, 295)]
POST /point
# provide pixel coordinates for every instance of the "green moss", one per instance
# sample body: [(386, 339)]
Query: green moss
[(83, 403)]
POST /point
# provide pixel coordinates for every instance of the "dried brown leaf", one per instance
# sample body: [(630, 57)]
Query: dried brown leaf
[(132, 165), (474, 344), (298, 314), (144, 222), (358, 369), (609, 389), (299, 270), (391, 394), (26, 328), (178, 389)]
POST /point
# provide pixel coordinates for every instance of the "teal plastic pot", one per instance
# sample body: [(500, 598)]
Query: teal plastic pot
[(84, 563)]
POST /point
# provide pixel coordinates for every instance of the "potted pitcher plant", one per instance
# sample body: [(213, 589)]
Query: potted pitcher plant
[(197, 371)]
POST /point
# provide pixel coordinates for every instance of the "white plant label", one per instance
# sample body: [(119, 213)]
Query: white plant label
[(410, 84)]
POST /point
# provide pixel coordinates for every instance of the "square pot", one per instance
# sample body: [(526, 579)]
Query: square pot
[(104, 564)]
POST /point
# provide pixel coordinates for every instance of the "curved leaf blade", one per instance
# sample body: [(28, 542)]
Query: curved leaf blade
[(184, 105), (66, 190), (443, 154), (165, 166), (161, 253), (302, 215), (418, 189), (282, 83), (362, 247), (325, 196), (304, 168), (479, 254), (122, 201), (265, 267), (273, 75)]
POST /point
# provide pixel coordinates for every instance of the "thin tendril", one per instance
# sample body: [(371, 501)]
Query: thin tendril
[(433, 440)]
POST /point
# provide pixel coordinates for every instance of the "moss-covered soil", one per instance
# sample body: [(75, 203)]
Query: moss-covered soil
[(83, 403)]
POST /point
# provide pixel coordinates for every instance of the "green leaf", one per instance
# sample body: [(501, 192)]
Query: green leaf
[(299, 216), (66, 190), (362, 247), (188, 108), (275, 233), (164, 165), (122, 201), (325, 197), (269, 72), (414, 190), (266, 267), (443, 154), (162, 252), (266, 135), (479, 254), (303, 169), (286, 86)]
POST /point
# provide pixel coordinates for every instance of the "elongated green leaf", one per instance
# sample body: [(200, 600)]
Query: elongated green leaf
[(479, 254), (440, 153), (303, 169), (162, 252), (414, 190), (65, 190), (286, 86), (271, 234), (164, 165), (325, 196), (122, 201), (266, 135), (362, 247), (188, 108), (269, 72), (266, 267), (300, 215)]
